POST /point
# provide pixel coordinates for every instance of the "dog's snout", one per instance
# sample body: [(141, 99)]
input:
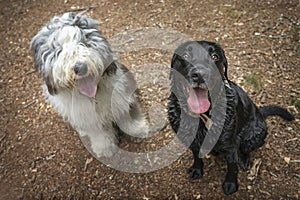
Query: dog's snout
[(197, 77), (80, 68)]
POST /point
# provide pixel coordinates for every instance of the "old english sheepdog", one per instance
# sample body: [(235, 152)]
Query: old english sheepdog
[(85, 83)]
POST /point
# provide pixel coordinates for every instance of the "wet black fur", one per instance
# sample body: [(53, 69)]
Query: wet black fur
[(244, 129)]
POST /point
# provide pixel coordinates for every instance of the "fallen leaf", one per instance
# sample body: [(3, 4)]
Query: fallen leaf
[(287, 160), (87, 162)]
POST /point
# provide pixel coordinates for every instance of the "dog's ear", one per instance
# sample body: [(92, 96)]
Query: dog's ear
[(35, 46), (173, 63), (41, 51), (174, 58), (176, 61), (48, 79), (224, 63), (50, 85)]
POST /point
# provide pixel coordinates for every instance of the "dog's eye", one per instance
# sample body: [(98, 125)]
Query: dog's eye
[(185, 56), (215, 57)]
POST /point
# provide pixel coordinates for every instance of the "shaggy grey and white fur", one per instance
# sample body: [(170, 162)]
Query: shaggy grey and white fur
[(85, 83)]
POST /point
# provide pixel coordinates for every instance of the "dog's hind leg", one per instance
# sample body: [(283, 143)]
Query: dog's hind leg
[(139, 127), (196, 171), (255, 141), (230, 184), (244, 161), (133, 122)]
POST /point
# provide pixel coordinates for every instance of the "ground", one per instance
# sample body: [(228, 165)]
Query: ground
[(42, 157)]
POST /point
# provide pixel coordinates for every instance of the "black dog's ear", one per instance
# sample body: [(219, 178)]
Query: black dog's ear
[(174, 60), (225, 64), (175, 63), (172, 65)]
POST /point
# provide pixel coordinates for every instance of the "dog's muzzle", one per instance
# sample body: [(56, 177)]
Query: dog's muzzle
[(80, 69), (196, 77), (85, 82), (198, 95)]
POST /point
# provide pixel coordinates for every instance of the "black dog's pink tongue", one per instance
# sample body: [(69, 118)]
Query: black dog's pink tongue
[(198, 100), (87, 86)]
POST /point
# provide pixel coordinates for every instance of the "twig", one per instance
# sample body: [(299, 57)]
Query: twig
[(45, 157), (290, 140), (265, 192), (30, 72), (87, 162), (273, 174), (30, 104), (3, 137), (295, 161), (82, 9)]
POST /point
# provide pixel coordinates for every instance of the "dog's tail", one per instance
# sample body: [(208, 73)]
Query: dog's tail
[(276, 110)]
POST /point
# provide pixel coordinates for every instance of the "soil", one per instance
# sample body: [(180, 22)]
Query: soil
[(42, 157)]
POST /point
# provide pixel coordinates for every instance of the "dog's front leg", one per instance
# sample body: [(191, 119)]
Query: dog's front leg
[(230, 184), (196, 171), (99, 141)]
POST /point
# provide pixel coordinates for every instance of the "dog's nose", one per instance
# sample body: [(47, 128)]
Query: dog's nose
[(196, 77), (80, 68)]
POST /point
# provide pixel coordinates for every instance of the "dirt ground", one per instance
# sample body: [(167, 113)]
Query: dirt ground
[(42, 157)]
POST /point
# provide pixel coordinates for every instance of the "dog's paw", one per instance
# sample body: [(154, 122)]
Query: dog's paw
[(139, 136), (229, 187), (245, 162), (195, 173), (105, 152)]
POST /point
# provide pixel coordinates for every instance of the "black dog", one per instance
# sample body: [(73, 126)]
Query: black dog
[(204, 102)]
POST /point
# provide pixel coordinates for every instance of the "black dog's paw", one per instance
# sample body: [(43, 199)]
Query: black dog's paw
[(245, 162), (230, 187), (195, 173)]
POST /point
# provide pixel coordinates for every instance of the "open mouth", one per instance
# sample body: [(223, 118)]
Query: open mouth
[(87, 86), (198, 100)]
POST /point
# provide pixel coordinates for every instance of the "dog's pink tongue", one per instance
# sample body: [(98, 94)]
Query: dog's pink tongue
[(198, 100), (87, 86)]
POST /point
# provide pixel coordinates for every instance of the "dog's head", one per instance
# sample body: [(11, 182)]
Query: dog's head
[(70, 52), (196, 69)]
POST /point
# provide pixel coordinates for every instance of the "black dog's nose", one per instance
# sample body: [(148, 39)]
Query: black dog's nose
[(196, 77), (80, 68)]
